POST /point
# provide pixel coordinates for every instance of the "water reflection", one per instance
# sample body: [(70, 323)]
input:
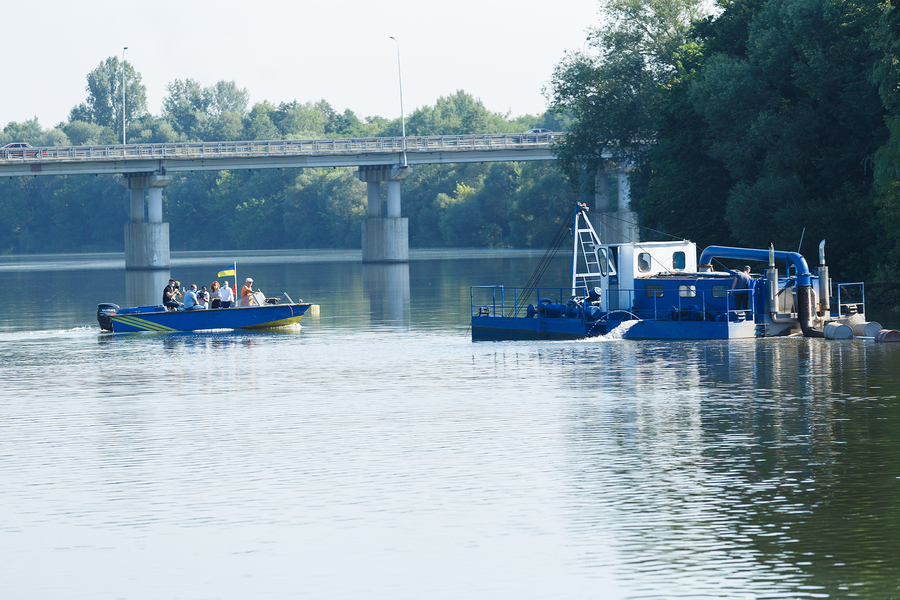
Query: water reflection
[(387, 287), (743, 457), (596, 469)]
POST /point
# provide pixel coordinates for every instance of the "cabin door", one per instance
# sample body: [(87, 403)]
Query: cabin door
[(611, 291)]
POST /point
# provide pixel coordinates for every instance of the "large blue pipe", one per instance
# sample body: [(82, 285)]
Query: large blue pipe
[(794, 258)]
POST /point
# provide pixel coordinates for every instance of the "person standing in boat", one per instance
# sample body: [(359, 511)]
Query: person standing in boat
[(741, 282), (247, 292), (226, 295), (215, 296)]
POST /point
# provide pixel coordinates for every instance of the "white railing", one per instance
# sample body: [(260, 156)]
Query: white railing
[(387, 145)]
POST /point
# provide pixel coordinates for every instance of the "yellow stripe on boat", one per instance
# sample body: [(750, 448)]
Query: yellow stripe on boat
[(139, 323), (279, 323)]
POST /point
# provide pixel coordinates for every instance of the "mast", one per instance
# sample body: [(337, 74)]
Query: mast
[(586, 242)]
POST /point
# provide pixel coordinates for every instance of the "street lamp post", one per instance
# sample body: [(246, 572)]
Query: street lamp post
[(123, 94), (402, 115)]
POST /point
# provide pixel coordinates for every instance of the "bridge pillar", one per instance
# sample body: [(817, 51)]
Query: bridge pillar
[(373, 200), (146, 241), (393, 199), (384, 240), (618, 223)]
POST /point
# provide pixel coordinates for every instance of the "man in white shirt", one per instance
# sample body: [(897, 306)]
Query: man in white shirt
[(226, 295)]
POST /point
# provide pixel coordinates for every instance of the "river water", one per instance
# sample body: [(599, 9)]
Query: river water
[(377, 452)]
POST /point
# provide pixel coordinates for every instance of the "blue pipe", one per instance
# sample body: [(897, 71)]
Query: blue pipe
[(794, 258)]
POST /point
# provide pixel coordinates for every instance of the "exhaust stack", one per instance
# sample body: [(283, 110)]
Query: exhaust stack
[(824, 285)]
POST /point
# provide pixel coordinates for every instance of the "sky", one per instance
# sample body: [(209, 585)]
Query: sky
[(498, 51)]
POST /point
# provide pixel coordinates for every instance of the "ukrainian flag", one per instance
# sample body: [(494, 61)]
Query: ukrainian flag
[(229, 271)]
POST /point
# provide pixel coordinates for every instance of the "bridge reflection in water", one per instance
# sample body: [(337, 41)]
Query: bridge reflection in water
[(387, 287)]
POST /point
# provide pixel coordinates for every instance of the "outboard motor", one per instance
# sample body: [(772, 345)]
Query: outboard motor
[(105, 312)]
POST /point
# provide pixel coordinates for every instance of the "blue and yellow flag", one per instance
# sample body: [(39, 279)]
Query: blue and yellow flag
[(229, 271)]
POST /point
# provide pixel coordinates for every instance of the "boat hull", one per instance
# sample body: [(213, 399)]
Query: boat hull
[(154, 318), (537, 328), (541, 328)]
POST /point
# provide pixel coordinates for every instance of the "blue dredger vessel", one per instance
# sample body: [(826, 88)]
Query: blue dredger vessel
[(660, 290)]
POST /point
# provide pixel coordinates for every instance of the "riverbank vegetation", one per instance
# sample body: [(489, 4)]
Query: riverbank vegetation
[(767, 121), (744, 122), (499, 204)]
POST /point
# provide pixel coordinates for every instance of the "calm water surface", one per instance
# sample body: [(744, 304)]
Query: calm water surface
[(378, 453)]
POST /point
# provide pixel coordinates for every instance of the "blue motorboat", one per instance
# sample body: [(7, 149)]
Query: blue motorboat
[(659, 290), (264, 314)]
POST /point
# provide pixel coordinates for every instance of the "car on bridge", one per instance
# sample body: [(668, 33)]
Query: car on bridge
[(539, 130), (20, 150)]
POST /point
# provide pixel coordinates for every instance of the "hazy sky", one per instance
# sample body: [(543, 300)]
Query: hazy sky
[(499, 51)]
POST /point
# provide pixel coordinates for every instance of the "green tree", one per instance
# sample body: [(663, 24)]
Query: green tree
[(682, 190), (200, 113), (302, 121), (323, 209), (259, 125), (456, 114), (228, 97), (347, 124), (186, 107), (81, 133), (886, 76), (104, 102), (540, 204), (613, 97), (791, 116), (150, 130)]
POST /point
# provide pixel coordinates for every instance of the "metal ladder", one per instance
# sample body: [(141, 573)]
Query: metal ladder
[(586, 243)]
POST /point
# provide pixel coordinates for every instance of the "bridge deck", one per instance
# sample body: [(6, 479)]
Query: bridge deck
[(343, 152)]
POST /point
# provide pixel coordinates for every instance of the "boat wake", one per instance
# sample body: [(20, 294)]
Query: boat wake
[(51, 333), (620, 330), (618, 333)]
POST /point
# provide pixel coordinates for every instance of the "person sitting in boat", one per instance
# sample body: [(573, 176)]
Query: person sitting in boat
[(227, 295), (203, 297), (247, 297), (190, 299), (215, 297), (170, 296)]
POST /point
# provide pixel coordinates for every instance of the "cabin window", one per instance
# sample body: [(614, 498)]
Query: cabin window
[(603, 260), (687, 291), (719, 291), (654, 291), (643, 262), (678, 261)]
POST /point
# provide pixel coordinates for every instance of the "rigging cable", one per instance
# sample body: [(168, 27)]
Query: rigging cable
[(543, 265)]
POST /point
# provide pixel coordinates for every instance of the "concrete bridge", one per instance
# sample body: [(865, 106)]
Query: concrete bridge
[(217, 156), (146, 169)]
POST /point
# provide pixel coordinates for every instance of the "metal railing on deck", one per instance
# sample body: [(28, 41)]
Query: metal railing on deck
[(850, 298), (699, 306), (387, 145), (496, 306)]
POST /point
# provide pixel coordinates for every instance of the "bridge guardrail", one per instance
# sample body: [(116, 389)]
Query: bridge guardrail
[(388, 145)]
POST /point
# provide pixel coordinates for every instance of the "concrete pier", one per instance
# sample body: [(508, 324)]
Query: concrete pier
[(384, 239), (146, 241)]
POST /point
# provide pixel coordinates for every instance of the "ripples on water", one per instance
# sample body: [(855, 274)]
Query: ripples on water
[(388, 460)]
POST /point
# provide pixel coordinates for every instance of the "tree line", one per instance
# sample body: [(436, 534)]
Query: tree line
[(744, 122), (503, 204), (748, 122)]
